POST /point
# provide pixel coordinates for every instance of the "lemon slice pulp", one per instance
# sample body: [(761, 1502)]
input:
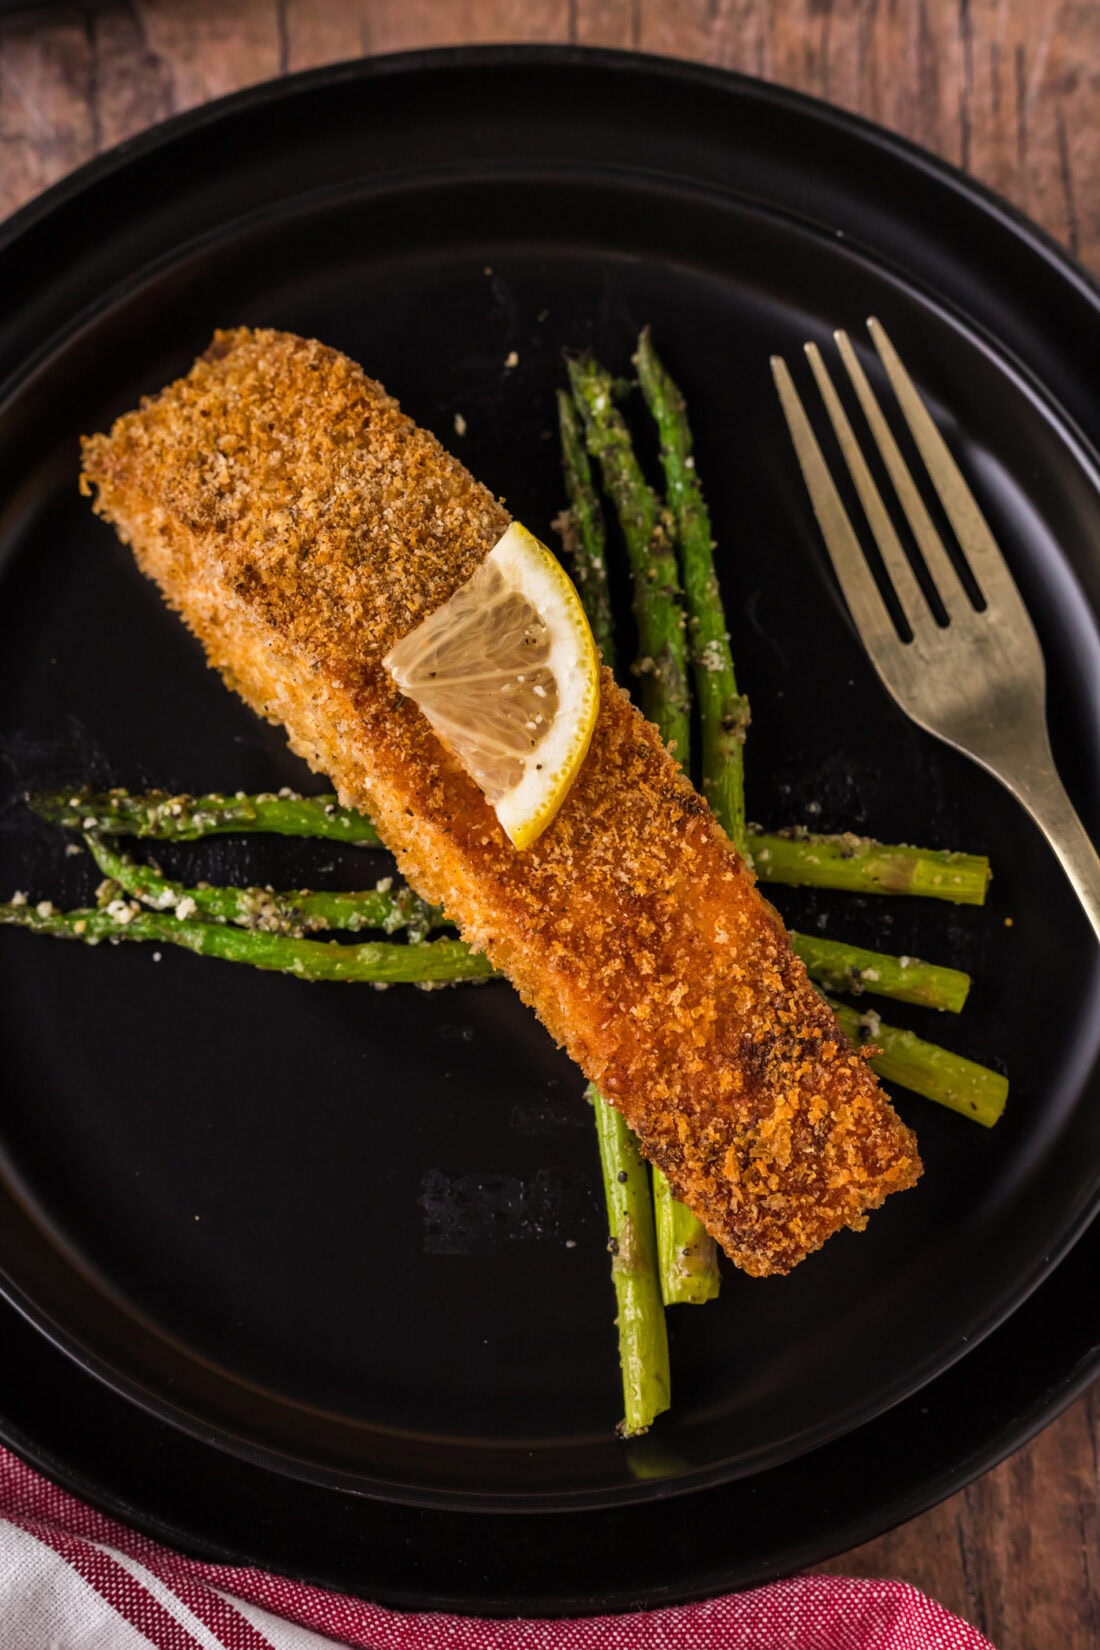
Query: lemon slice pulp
[(508, 675)]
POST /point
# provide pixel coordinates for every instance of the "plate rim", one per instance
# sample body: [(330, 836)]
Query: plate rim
[(1027, 1421), (509, 54)]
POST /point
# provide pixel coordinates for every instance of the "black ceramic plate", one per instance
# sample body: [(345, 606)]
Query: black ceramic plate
[(355, 1240)]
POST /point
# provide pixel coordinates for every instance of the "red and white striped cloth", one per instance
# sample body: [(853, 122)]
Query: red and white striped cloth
[(73, 1579)]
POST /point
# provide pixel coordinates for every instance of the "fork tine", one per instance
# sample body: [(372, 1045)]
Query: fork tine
[(906, 588), (971, 528), (868, 610), (944, 574)]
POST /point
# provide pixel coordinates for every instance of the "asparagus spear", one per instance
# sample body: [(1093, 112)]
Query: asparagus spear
[(582, 530), (689, 1263), (842, 967), (848, 863), (383, 907), (658, 614), (183, 818), (688, 1254), (688, 1258), (839, 967), (643, 1333), (643, 1340), (935, 1072), (723, 712), (439, 962), (858, 865)]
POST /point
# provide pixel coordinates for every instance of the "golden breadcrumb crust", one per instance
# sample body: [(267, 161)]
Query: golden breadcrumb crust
[(302, 524)]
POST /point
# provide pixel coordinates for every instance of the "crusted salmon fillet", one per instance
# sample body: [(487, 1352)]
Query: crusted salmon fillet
[(302, 524)]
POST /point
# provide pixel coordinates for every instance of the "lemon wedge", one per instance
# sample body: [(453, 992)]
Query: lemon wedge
[(508, 675)]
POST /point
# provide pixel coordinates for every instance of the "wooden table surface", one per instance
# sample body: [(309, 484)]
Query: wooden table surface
[(1009, 90)]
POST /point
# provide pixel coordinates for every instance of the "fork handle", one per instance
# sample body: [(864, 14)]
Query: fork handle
[(1036, 784)]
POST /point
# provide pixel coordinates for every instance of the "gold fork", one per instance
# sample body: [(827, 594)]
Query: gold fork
[(978, 681)]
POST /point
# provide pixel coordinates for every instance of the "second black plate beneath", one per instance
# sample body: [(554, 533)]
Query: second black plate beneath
[(357, 1237)]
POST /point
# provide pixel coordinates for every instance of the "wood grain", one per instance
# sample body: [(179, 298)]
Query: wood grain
[(1017, 1552), (1007, 89)]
